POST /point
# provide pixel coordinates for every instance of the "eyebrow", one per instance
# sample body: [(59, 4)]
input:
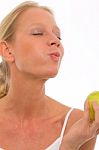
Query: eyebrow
[(39, 25), (57, 29)]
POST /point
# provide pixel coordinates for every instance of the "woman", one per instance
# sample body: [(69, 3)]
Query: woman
[(31, 50)]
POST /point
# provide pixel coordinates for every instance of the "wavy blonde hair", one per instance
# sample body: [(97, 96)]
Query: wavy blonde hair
[(7, 30)]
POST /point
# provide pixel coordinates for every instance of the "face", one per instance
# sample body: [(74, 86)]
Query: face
[(37, 48)]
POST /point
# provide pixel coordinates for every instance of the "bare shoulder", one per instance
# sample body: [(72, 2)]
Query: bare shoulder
[(75, 115), (63, 109)]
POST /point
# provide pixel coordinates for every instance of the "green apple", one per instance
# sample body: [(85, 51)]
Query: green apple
[(94, 96)]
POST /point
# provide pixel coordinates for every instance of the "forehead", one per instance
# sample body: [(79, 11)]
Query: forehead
[(36, 16)]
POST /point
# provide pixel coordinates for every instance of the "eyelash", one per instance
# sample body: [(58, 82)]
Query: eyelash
[(37, 33), (41, 33), (59, 38)]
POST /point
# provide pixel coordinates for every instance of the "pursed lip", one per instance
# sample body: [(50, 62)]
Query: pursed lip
[(55, 56)]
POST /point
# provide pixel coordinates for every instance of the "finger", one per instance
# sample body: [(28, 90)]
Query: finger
[(96, 110), (97, 132), (86, 111)]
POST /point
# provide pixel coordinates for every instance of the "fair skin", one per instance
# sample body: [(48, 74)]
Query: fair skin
[(32, 62)]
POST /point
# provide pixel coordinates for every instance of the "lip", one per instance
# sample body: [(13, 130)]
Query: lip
[(55, 56)]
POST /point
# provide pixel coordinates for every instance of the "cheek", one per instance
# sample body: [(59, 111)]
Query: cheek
[(21, 56), (28, 57)]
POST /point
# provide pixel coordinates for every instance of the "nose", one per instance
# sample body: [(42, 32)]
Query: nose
[(54, 42)]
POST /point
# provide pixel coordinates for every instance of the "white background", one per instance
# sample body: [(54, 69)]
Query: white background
[(79, 72)]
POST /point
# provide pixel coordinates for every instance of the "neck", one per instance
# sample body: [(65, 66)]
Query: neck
[(27, 98)]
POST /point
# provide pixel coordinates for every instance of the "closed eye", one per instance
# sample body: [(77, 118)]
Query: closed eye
[(39, 33), (57, 34), (59, 38)]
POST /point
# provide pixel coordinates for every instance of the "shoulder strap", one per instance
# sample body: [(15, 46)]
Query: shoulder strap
[(65, 122)]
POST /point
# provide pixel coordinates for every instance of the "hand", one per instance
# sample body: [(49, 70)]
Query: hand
[(83, 130)]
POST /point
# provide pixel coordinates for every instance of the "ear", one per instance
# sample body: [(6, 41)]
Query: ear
[(5, 51)]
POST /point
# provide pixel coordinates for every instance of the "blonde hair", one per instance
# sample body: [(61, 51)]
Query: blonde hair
[(7, 31)]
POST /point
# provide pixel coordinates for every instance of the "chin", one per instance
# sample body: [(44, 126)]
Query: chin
[(52, 74)]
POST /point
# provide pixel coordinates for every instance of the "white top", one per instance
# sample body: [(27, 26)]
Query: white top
[(56, 145)]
